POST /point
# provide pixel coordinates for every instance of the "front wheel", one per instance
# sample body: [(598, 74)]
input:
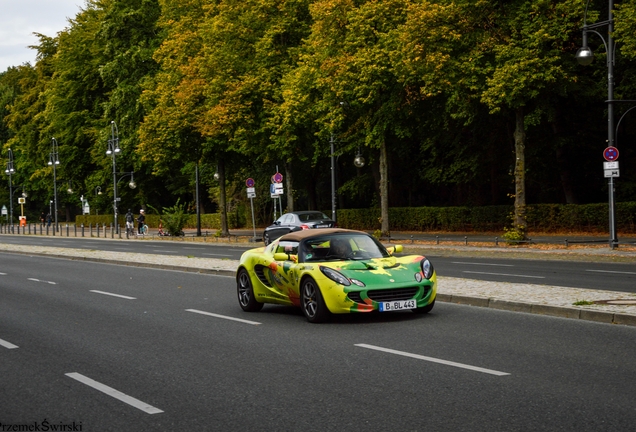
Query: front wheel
[(245, 292), (266, 239), (312, 303), (426, 309)]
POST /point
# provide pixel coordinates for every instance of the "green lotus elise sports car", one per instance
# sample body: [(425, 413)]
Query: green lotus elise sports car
[(335, 271)]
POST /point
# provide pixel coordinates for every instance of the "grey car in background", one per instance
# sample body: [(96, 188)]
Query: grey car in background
[(296, 221)]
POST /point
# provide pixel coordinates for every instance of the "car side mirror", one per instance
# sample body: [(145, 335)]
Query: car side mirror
[(282, 256), (395, 249)]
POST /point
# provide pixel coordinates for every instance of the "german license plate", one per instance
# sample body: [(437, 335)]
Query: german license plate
[(322, 226), (397, 305)]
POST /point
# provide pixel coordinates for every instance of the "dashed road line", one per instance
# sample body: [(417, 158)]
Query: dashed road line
[(7, 345), (504, 274), (113, 295), (223, 317), (149, 409), (434, 360)]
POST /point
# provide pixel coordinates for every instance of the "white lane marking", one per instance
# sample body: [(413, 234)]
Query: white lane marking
[(612, 271), (505, 274), (223, 317), (114, 393), (434, 360), (195, 248), (211, 254), (114, 295), (484, 264), (3, 274), (167, 251), (7, 345), (43, 281)]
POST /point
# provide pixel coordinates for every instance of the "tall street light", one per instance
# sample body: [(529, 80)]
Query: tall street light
[(113, 150), (585, 56), (10, 171), (54, 161)]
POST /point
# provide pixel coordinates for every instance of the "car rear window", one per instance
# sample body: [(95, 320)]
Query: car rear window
[(312, 216)]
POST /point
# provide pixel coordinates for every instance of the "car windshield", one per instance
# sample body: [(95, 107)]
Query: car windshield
[(305, 217), (342, 248)]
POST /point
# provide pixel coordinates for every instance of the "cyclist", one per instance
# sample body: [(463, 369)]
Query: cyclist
[(140, 221)]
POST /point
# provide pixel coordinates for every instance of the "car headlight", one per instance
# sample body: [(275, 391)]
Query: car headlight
[(427, 268), (335, 276)]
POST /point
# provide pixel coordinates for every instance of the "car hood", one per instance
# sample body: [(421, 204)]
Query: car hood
[(379, 270)]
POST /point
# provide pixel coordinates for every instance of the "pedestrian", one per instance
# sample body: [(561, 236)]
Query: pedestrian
[(130, 223), (141, 220), (48, 219), (42, 218)]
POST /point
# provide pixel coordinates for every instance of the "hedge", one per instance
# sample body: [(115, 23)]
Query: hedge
[(540, 218)]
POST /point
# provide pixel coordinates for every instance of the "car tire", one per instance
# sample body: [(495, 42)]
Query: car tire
[(245, 292), (266, 239), (311, 302), (424, 310)]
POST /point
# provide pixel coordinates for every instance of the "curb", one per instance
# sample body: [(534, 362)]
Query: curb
[(540, 309)]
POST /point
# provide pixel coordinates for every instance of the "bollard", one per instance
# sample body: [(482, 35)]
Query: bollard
[(496, 241), (67, 228), (82, 230), (90, 228), (437, 237), (566, 243), (466, 240), (47, 230), (75, 227), (119, 230), (411, 239), (112, 231), (97, 230)]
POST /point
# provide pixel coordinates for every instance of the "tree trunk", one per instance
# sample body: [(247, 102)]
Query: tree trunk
[(289, 186), (225, 232), (384, 189), (520, 222)]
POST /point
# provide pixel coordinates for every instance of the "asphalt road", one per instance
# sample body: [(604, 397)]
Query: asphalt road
[(119, 348), (591, 275)]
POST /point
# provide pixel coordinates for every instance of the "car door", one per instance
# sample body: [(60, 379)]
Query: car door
[(285, 274)]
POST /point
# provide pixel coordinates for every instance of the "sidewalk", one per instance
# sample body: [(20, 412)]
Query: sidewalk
[(601, 306)]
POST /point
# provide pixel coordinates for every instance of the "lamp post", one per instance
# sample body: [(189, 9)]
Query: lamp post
[(54, 161), (10, 171), (196, 194), (585, 57), (114, 150)]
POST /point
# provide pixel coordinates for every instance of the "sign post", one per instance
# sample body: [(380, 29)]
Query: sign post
[(276, 190), (611, 156), (251, 194)]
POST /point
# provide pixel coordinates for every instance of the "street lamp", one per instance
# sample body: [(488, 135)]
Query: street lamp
[(10, 171), (584, 57), (54, 161), (114, 150), (358, 161)]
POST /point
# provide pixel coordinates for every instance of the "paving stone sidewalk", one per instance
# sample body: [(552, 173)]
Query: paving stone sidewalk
[(614, 307)]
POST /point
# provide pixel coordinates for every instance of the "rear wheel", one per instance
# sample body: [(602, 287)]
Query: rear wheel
[(426, 309), (245, 293), (312, 303)]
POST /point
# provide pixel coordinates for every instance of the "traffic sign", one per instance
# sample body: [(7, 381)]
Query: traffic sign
[(251, 194), (251, 190), (610, 154), (250, 182), (612, 173), (610, 165), (21, 200), (277, 178)]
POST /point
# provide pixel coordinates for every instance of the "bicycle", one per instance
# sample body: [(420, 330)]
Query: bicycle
[(130, 230), (143, 230)]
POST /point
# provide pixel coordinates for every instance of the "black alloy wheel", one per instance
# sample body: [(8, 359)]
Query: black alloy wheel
[(245, 293), (312, 303)]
